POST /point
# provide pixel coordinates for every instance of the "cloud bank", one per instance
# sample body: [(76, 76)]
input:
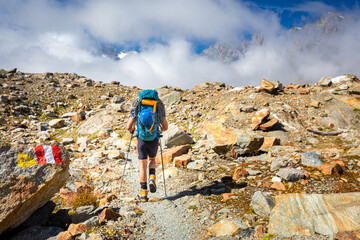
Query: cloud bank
[(64, 36)]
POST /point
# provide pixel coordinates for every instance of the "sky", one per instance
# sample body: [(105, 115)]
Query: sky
[(65, 36)]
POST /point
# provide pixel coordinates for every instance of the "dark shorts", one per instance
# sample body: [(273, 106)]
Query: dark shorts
[(147, 148)]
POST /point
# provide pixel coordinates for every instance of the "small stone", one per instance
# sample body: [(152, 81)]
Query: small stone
[(197, 165), (77, 229), (117, 99), (278, 186), (330, 169), (259, 118), (259, 231), (226, 228), (108, 214), (227, 196), (276, 179), (270, 142), (269, 125), (315, 104), (304, 91), (290, 174), (57, 123), (239, 173)]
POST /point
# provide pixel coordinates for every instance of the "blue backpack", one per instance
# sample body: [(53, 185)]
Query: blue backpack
[(147, 119)]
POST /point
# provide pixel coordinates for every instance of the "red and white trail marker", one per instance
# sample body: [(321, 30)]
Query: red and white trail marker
[(48, 154)]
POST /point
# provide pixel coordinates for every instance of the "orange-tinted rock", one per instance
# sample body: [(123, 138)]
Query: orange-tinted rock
[(304, 182), (304, 91), (171, 153), (269, 125), (270, 142), (278, 186), (240, 172), (182, 161), (227, 196), (108, 214), (77, 229), (64, 236), (330, 169), (259, 118), (354, 235), (267, 184), (103, 201), (65, 194), (220, 138), (259, 232), (78, 117), (82, 187), (353, 102), (267, 86)]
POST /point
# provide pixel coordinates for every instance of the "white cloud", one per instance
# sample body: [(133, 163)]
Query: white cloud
[(48, 36)]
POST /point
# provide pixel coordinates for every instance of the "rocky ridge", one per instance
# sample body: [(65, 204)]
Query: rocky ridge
[(231, 154)]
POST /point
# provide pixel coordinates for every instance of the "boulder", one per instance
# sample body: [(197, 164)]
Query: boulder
[(100, 120), (262, 203), (267, 86), (174, 136), (308, 214), (221, 139), (171, 98), (171, 153), (23, 190), (311, 159)]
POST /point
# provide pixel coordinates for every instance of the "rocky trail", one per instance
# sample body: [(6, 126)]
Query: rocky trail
[(163, 218), (267, 162)]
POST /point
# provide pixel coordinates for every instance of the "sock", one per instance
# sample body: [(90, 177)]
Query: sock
[(143, 185), (151, 171)]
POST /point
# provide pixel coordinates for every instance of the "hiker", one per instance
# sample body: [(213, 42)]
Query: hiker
[(148, 112)]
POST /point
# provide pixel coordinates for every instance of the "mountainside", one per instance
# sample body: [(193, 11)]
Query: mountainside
[(306, 38), (275, 162)]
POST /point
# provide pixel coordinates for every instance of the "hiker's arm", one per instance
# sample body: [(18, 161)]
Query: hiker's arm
[(130, 125), (165, 125)]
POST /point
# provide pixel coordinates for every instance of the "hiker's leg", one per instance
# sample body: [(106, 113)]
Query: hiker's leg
[(143, 170), (153, 148), (142, 155), (151, 164)]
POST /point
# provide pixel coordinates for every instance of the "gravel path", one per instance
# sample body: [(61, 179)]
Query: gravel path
[(164, 219)]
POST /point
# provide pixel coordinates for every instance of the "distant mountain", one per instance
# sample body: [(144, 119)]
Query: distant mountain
[(109, 51), (228, 53), (307, 37)]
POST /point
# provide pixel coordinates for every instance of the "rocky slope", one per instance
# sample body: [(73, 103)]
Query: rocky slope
[(240, 162)]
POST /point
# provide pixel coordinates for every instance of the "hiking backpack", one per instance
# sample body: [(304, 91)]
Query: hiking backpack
[(148, 106)]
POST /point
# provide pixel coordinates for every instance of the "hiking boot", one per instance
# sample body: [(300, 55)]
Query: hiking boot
[(143, 195), (152, 184)]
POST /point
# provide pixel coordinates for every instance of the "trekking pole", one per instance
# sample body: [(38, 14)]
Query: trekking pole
[(162, 164), (126, 159)]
